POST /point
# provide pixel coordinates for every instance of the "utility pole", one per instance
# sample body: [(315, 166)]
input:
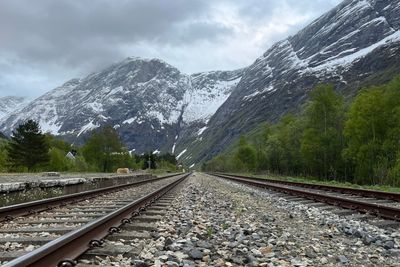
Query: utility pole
[(149, 162)]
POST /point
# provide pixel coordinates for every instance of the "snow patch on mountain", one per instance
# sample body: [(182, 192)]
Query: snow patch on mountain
[(169, 118), (270, 88), (352, 43), (88, 127), (208, 92), (130, 120), (336, 61), (9, 104), (181, 154), (45, 109), (201, 131), (51, 125), (173, 148), (291, 56)]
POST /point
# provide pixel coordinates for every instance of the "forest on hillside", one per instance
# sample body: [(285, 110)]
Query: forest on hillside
[(331, 139)]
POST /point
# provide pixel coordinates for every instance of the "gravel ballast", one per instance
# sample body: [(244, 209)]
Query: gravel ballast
[(214, 222)]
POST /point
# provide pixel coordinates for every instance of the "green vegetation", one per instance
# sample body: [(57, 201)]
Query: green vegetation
[(28, 148), (159, 164), (357, 142), (3, 155), (104, 151), (31, 150), (209, 231)]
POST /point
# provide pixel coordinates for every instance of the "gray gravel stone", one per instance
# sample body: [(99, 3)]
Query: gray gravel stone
[(196, 254), (389, 244), (168, 241), (140, 263), (342, 259), (188, 263), (203, 244), (172, 264), (394, 252)]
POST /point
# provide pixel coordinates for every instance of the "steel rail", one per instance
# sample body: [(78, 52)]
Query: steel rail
[(375, 209), (343, 190), (64, 250), (27, 208)]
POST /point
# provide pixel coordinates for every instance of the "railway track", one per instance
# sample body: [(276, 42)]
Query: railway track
[(343, 190), (56, 231), (374, 204)]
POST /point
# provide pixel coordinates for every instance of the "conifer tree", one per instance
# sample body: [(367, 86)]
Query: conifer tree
[(28, 147)]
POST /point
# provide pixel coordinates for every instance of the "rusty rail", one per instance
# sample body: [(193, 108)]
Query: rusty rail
[(375, 209), (27, 208), (64, 250)]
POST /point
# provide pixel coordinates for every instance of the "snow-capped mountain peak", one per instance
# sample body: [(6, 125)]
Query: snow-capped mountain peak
[(137, 94)]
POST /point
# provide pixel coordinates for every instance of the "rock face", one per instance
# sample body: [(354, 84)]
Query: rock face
[(355, 44), (148, 101), (9, 104), (156, 107)]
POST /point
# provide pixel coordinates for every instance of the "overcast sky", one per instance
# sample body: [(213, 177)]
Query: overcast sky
[(43, 43)]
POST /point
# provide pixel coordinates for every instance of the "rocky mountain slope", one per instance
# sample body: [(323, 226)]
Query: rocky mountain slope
[(156, 107), (9, 104), (148, 101), (355, 44)]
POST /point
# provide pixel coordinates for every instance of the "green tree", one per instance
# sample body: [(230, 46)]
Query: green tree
[(153, 161), (322, 140), (286, 145), (105, 151), (372, 130), (59, 143), (361, 146), (274, 152), (80, 165), (246, 154), (169, 158), (260, 143), (28, 147), (58, 160), (221, 163), (3, 155)]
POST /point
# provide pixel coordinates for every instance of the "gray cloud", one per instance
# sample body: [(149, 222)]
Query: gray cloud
[(72, 30), (45, 42)]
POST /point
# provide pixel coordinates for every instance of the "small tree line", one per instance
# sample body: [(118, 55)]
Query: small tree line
[(29, 150), (356, 142)]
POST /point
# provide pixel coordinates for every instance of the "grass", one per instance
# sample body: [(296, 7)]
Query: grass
[(225, 226), (384, 188), (210, 232)]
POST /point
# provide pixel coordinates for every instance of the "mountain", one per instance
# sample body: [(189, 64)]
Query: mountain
[(9, 104), (148, 101), (355, 44), (156, 107)]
